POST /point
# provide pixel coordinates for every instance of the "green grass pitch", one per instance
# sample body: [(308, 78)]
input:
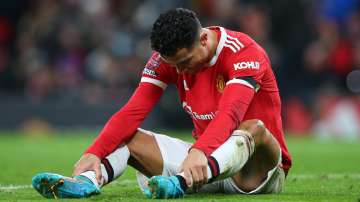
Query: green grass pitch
[(322, 171)]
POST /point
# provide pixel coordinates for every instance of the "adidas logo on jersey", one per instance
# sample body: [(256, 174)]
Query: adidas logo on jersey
[(247, 65), (233, 43)]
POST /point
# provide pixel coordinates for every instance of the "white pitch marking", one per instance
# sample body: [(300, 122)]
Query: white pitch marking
[(13, 187), (325, 175), (124, 182)]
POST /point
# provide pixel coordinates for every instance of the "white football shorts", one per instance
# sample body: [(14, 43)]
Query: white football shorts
[(173, 153)]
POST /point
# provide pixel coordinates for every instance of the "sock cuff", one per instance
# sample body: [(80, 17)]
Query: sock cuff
[(182, 182), (109, 169), (214, 167), (249, 140)]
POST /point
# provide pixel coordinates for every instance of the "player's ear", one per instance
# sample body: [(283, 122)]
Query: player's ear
[(203, 38)]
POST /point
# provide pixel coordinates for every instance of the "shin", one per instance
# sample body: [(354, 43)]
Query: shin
[(112, 166), (231, 156)]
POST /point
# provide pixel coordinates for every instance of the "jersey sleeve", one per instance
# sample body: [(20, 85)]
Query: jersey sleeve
[(157, 72), (247, 67), (232, 108), (244, 72), (124, 123)]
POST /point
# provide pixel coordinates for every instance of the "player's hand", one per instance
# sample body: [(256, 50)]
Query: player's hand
[(89, 162), (194, 168)]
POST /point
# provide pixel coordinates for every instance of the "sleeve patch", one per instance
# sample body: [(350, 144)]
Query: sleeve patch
[(149, 72), (151, 65)]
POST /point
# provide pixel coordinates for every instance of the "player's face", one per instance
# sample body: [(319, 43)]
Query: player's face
[(190, 61)]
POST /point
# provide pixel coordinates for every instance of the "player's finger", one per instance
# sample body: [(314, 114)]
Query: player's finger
[(205, 175), (98, 174), (201, 176), (80, 167), (77, 170), (195, 177), (188, 177)]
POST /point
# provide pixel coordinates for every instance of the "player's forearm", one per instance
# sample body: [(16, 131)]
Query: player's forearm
[(123, 124), (232, 108), (117, 130), (214, 136)]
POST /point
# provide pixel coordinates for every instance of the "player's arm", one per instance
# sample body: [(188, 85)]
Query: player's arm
[(124, 123), (245, 72), (239, 91), (232, 108), (119, 128)]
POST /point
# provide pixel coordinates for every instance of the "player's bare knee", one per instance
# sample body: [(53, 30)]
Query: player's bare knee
[(256, 128), (251, 124)]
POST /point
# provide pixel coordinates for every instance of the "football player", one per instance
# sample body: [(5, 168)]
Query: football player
[(226, 84)]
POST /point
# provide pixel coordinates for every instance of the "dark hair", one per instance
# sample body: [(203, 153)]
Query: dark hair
[(175, 29)]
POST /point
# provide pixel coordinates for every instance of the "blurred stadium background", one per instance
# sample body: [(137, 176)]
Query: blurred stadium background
[(69, 64)]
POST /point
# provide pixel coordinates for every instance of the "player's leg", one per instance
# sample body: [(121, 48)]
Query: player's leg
[(261, 173), (236, 152), (248, 161), (145, 155), (52, 185), (141, 152), (172, 151)]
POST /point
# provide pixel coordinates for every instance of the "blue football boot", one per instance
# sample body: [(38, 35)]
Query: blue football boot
[(161, 187), (51, 185)]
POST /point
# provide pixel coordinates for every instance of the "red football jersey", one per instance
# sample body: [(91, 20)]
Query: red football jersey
[(238, 60), (238, 85)]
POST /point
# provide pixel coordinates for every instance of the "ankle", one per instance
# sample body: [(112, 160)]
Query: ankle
[(182, 182), (83, 179), (90, 176)]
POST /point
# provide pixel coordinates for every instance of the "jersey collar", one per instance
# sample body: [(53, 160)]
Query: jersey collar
[(220, 45)]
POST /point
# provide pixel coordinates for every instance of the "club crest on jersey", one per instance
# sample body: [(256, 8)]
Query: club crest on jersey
[(247, 65), (152, 64), (220, 83)]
